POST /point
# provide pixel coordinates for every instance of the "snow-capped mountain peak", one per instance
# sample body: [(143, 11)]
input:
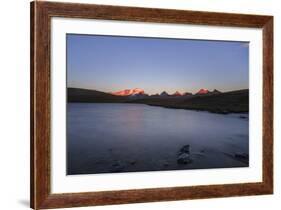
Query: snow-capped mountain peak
[(202, 91), (129, 92)]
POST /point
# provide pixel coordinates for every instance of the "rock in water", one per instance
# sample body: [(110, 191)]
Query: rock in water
[(117, 167), (241, 155), (133, 162), (242, 117), (184, 155), (184, 158), (185, 149)]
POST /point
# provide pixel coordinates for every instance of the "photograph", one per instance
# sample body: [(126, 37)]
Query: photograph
[(132, 104), (140, 104)]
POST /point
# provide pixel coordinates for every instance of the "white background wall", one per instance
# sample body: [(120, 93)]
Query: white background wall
[(14, 111)]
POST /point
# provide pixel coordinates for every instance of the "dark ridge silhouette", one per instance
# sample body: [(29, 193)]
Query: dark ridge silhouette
[(228, 102), (215, 101), (92, 96)]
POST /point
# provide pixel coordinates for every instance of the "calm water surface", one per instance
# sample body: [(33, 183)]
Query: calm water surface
[(103, 138)]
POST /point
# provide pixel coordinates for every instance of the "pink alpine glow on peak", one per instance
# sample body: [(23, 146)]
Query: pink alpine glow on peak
[(129, 92), (202, 91)]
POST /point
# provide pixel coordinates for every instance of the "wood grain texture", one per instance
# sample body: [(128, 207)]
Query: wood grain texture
[(32, 129), (40, 96), (268, 104), (41, 14)]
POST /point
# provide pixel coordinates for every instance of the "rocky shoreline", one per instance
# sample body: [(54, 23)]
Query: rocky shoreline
[(211, 110), (184, 157)]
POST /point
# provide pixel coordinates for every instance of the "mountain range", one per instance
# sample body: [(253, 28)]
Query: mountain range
[(140, 92), (212, 101), (129, 92)]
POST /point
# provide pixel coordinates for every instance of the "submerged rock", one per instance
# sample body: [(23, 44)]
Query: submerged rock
[(243, 117), (117, 167), (184, 155), (185, 149), (184, 158), (133, 162), (241, 155)]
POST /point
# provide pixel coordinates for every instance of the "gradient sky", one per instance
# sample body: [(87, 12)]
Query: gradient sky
[(113, 63)]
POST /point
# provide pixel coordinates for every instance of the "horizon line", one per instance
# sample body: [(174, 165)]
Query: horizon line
[(210, 90)]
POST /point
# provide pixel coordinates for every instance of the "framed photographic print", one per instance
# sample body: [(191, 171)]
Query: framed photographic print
[(140, 105)]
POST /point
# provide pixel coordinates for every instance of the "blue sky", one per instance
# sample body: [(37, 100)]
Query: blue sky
[(113, 63)]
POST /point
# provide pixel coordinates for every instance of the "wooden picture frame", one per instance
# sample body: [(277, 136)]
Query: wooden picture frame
[(41, 14)]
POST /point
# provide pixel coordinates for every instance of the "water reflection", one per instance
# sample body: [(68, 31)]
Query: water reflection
[(104, 138)]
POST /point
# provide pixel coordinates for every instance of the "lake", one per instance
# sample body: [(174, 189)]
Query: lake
[(111, 137)]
